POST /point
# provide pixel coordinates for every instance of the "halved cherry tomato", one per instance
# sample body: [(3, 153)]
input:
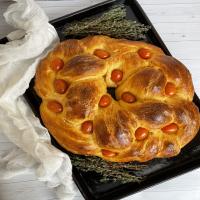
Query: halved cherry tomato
[(57, 64), (128, 97), (144, 53), (116, 75), (55, 106), (108, 153), (141, 133), (105, 101), (101, 53), (171, 128), (87, 127), (60, 86), (170, 89)]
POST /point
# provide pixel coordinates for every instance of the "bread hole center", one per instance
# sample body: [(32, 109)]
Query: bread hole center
[(111, 91)]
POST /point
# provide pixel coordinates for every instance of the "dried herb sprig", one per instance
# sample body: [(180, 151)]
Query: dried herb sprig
[(111, 23), (109, 171)]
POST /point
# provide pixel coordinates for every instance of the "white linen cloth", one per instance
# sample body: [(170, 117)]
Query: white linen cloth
[(34, 38)]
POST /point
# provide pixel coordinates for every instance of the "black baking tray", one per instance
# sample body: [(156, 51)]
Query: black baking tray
[(158, 170)]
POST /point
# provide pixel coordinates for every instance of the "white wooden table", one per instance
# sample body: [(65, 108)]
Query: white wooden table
[(178, 23)]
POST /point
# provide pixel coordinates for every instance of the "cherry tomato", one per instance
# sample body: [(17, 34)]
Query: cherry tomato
[(170, 89), (54, 106), (60, 86), (101, 53), (116, 75), (57, 64), (141, 133), (128, 97), (144, 53), (87, 127), (105, 101), (108, 153), (171, 128)]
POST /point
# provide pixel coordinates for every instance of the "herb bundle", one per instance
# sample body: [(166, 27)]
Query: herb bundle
[(109, 171), (111, 23)]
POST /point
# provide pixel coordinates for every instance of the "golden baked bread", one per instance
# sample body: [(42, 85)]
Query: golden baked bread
[(152, 116)]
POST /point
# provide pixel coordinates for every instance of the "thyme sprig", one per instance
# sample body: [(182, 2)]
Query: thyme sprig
[(111, 23), (109, 171)]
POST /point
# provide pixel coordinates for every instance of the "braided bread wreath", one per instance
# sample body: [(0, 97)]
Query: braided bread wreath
[(153, 115)]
